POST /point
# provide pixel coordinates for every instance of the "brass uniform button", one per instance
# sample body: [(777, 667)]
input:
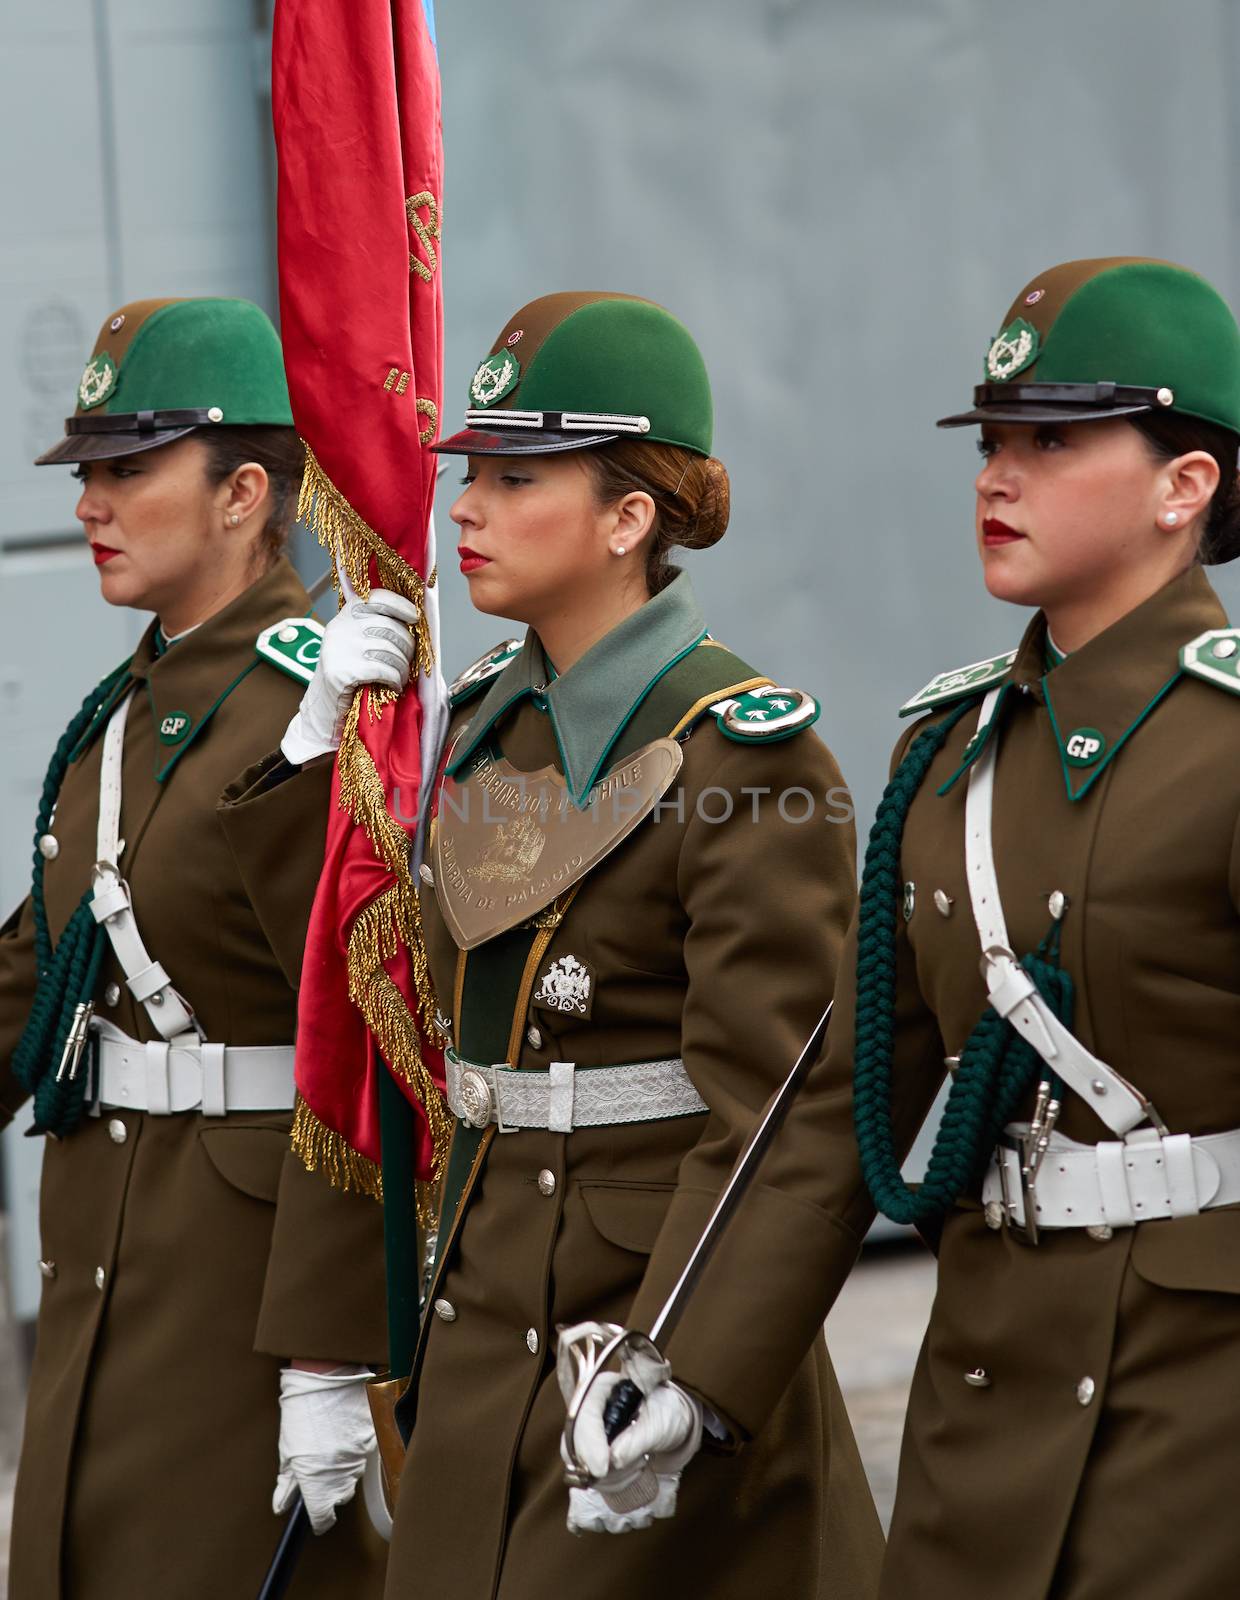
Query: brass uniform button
[(546, 1182), (101, 1277), (117, 1131), (445, 1311), (531, 1340)]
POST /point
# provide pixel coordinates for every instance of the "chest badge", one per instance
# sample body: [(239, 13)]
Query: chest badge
[(174, 727), (507, 842), (567, 986)]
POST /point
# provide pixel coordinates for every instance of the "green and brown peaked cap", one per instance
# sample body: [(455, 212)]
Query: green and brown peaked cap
[(577, 369), (161, 368), (1110, 338)]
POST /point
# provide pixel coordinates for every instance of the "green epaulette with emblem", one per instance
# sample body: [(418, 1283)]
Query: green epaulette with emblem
[(765, 715), (961, 681), (292, 645), (474, 678), (1214, 656)]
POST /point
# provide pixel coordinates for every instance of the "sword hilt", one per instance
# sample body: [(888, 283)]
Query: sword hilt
[(622, 1406)]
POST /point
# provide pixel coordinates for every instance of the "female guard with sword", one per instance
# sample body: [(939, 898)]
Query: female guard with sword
[(631, 871), (146, 1020)]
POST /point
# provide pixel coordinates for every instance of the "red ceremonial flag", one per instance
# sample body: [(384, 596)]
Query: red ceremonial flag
[(356, 102)]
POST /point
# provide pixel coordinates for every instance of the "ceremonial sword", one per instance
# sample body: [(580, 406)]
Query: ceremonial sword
[(626, 1397)]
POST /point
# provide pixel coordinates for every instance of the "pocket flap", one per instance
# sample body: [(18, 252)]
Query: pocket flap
[(1201, 1252), (250, 1158), (628, 1214)]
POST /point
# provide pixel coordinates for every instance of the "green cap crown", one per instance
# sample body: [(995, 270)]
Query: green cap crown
[(1129, 321), (599, 355), (177, 355)]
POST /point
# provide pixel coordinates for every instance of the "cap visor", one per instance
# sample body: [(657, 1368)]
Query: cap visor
[(518, 442), (99, 446), (1038, 413)]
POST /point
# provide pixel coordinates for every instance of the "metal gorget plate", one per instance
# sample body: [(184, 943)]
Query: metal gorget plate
[(508, 842)]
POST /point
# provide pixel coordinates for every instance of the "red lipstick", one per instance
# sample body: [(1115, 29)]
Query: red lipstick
[(471, 561), (996, 533), (102, 553)]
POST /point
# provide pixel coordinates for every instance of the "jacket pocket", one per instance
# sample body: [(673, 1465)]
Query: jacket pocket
[(249, 1158), (1201, 1252), (628, 1214)]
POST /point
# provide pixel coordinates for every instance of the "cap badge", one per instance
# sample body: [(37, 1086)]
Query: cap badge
[(1034, 295), (117, 322), (98, 381), (515, 337), (1012, 351), (497, 376)]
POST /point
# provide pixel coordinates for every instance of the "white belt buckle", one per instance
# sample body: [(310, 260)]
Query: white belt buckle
[(1027, 1230), (497, 1098)]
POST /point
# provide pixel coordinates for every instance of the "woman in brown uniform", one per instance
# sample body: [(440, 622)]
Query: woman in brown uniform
[(147, 1014), (634, 900), (1069, 813)]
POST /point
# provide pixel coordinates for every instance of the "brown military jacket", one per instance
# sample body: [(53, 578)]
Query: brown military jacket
[(713, 941), (1098, 1458), (185, 1257)]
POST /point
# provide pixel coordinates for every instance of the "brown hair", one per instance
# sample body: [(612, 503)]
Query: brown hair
[(1169, 436), (691, 494), (282, 456)]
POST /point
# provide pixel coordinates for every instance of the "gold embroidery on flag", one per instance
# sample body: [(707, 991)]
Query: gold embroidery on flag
[(428, 408), (426, 232)]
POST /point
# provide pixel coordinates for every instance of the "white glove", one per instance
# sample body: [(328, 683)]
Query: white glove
[(326, 1435), (366, 642), (644, 1461)]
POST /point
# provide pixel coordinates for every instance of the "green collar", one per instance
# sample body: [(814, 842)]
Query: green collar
[(591, 703), (1098, 696)]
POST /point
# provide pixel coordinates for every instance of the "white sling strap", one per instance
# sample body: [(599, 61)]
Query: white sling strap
[(112, 906), (1011, 991)]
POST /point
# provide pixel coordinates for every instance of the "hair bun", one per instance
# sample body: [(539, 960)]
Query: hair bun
[(714, 506)]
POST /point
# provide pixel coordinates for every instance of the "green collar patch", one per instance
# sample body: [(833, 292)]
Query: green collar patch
[(954, 685), (292, 645), (766, 715), (1215, 657), (174, 727), (1012, 351), (591, 703), (497, 376), (98, 381)]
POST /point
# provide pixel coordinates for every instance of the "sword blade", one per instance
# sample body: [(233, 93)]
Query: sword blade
[(626, 1398), (734, 1191)]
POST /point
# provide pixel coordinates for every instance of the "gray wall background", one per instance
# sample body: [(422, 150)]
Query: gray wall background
[(839, 197)]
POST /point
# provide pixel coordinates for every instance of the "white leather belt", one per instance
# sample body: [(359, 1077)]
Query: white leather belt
[(1010, 989), (170, 1076), (111, 905), (1115, 1184), (565, 1096)]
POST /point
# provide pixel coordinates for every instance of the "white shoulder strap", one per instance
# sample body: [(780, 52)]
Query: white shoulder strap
[(1012, 992), (111, 905)]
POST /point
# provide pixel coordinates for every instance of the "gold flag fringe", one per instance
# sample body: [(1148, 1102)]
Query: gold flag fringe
[(322, 1147), (352, 543), (394, 918)]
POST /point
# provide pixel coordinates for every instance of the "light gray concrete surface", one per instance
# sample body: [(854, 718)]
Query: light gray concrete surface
[(874, 1333), (11, 1387)]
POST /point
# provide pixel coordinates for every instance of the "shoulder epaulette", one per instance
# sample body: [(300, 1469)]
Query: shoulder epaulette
[(954, 685), (765, 715), (489, 666), (1214, 656), (292, 645)]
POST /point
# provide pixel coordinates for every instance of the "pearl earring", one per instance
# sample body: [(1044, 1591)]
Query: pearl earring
[(235, 519), (621, 550), (1171, 518)]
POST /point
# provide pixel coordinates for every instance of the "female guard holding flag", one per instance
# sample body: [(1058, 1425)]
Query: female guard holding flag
[(634, 897), (190, 1353)]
